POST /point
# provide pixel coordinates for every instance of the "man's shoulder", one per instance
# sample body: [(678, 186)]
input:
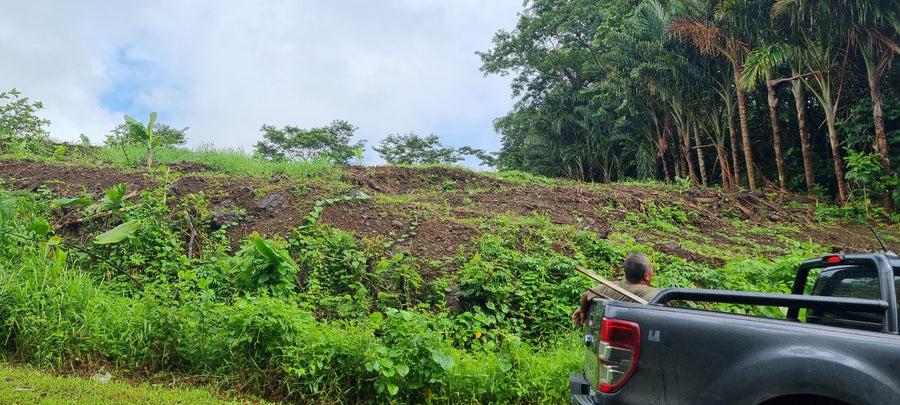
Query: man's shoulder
[(641, 290)]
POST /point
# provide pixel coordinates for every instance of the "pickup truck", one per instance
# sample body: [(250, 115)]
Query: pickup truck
[(837, 344)]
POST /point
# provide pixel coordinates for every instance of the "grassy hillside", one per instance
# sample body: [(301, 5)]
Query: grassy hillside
[(311, 283)]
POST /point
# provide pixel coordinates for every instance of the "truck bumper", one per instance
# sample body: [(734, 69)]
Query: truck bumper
[(580, 389)]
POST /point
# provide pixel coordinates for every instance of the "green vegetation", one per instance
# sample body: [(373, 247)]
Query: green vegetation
[(144, 287), (411, 149), (719, 93), (20, 125), (346, 330), (320, 315), (144, 135), (330, 143), (27, 385), (234, 162)]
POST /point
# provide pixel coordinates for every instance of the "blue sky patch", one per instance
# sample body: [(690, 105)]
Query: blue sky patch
[(137, 85)]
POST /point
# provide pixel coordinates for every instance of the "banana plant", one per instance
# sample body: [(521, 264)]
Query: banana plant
[(138, 132)]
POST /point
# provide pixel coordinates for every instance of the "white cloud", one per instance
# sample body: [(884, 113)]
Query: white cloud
[(225, 68)]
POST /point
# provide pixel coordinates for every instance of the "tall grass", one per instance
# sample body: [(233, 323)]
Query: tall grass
[(231, 161), (56, 317)]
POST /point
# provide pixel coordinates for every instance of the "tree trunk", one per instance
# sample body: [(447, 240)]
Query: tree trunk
[(829, 104), (805, 141), (776, 129), (683, 131), (880, 142), (727, 180), (836, 155), (701, 164), (661, 146), (685, 135), (732, 133), (745, 127), (870, 50), (667, 135)]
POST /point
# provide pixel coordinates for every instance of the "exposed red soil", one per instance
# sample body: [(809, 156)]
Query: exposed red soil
[(433, 211)]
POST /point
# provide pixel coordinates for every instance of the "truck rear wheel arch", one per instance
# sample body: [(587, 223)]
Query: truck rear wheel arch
[(774, 378), (803, 399)]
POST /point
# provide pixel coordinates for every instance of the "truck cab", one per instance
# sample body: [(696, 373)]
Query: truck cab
[(852, 276)]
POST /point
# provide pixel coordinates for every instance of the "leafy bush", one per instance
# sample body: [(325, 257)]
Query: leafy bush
[(412, 358), (264, 266), (527, 291), (514, 372), (332, 267), (395, 283), (328, 365)]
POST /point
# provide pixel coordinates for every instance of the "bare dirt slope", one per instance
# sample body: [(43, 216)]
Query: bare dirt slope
[(445, 206)]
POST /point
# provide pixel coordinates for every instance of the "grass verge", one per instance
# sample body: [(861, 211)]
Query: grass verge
[(28, 385)]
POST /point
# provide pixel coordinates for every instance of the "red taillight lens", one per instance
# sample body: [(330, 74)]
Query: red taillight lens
[(620, 343), (832, 259)]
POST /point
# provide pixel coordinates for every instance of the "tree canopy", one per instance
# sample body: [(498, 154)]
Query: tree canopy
[(411, 149), (19, 118), (661, 89), (291, 143), (164, 134)]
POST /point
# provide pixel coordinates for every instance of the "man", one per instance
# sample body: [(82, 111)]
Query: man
[(638, 275)]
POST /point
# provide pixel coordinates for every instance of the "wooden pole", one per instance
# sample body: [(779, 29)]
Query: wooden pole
[(610, 284)]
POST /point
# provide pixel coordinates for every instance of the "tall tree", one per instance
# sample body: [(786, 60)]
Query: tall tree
[(718, 130), (823, 49), (760, 65), (553, 57), (789, 50), (712, 39), (630, 86), (874, 26), (651, 62), (618, 87)]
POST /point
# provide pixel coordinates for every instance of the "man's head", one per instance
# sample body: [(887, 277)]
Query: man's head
[(638, 269)]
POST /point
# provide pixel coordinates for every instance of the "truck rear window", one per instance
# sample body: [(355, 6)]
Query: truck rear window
[(851, 282)]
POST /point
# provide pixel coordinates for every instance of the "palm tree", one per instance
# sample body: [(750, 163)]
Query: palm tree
[(799, 91), (874, 28), (716, 128), (760, 65), (712, 40), (644, 75), (788, 52), (822, 50)]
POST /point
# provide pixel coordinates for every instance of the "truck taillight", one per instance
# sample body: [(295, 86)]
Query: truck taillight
[(619, 349), (832, 259)]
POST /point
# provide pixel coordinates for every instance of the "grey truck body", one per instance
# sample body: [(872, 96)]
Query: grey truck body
[(839, 343)]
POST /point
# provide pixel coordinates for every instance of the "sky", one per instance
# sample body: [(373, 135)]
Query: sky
[(225, 68)]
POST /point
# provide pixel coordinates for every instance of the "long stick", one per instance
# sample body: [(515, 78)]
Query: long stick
[(610, 284)]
